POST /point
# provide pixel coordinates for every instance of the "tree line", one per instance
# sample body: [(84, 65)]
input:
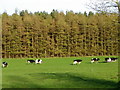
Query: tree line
[(58, 34)]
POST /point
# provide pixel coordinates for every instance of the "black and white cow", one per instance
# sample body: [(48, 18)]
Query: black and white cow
[(77, 61), (4, 64), (110, 59), (38, 61), (30, 61), (114, 59), (94, 60)]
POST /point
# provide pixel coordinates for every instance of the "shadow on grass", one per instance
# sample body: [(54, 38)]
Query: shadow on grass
[(57, 80), (103, 62), (73, 81)]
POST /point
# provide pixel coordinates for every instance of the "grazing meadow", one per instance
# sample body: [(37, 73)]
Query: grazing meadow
[(60, 73)]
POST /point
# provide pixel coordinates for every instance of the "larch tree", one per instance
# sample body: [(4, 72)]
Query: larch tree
[(108, 7), (59, 35)]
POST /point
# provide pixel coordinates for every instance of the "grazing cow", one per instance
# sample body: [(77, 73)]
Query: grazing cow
[(4, 64), (94, 60), (78, 61), (38, 61), (110, 59), (30, 61), (113, 59)]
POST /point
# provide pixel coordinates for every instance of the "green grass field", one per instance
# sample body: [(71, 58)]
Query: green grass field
[(60, 73)]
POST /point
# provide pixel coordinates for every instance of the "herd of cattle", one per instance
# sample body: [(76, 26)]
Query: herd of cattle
[(95, 60), (77, 61), (37, 61)]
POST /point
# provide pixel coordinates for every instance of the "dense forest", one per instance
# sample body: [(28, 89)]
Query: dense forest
[(58, 34)]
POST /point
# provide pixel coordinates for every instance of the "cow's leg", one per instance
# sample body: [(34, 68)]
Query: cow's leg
[(74, 63), (3, 65), (92, 61)]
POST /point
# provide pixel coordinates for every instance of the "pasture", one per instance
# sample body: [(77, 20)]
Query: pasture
[(60, 73)]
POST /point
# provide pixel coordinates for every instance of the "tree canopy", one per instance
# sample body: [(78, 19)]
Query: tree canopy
[(59, 34)]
